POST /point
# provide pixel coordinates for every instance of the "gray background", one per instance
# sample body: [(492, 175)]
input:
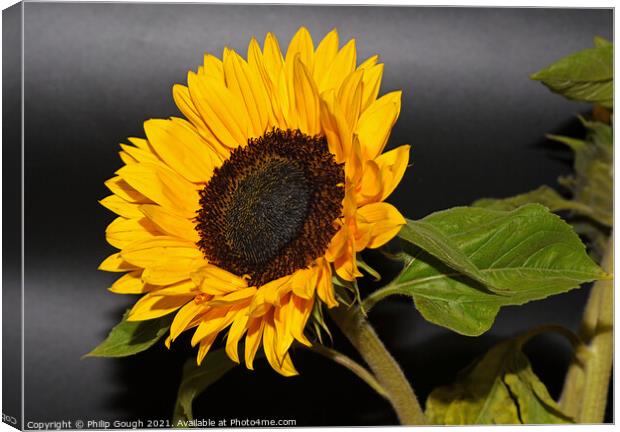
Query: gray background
[(95, 72)]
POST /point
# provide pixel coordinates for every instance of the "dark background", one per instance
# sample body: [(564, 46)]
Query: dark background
[(95, 72)]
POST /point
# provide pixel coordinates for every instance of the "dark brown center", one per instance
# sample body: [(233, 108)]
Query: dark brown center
[(269, 210)]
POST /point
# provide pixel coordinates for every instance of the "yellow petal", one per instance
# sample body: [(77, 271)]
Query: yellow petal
[(140, 143), (220, 110), (299, 317), (185, 287), (277, 84), (242, 295), (115, 263), (264, 85), (335, 126), (272, 56), (159, 250), (337, 245), (325, 55), (123, 190), (185, 104), (205, 345), (247, 88), (170, 223), (123, 232), (162, 186), (131, 283), (301, 44), (269, 346), (166, 273), (180, 146), (216, 281), (385, 219), (184, 317), (282, 321), (372, 84), (350, 95), (141, 154), (154, 306), (342, 66), (212, 322), (268, 295), (392, 165), (376, 123), (213, 67), (236, 332), (183, 100), (325, 288), (371, 185), (306, 100), (121, 207), (126, 158), (346, 266), (286, 367), (252, 340), (369, 62), (353, 169), (304, 281)]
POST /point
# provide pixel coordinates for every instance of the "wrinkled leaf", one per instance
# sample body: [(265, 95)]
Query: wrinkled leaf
[(500, 388), (584, 76), (196, 379), (592, 184), (544, 195), (131, 337), (521, 255)]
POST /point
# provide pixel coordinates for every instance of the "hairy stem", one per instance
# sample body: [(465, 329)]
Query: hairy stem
[(362, 336), (584, 395), (352, 365)]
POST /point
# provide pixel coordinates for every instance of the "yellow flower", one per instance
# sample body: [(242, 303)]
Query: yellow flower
[(237, 217)]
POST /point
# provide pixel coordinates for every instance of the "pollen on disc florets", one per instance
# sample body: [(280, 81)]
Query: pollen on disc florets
[(270, 209)]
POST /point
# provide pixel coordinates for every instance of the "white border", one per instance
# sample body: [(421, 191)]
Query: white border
[(473, 3)]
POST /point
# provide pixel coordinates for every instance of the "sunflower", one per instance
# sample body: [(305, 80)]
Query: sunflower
[(238, 216)]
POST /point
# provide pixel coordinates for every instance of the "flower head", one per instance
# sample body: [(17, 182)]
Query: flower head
[(238, 216)]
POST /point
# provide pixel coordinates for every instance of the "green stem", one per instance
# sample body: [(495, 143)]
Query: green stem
[(352, 365), (362, 336), (584, 396), (378, 295)]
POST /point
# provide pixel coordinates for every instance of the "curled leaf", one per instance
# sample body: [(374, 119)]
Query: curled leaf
[(500, 388)]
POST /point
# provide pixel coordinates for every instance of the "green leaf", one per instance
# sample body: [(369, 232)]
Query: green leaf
[(592, 184), (544, 195), (573, 143), (196, 379), (601, 41), (584, 76), (131, 337), (501, 388), (433, 241), (521, 255)]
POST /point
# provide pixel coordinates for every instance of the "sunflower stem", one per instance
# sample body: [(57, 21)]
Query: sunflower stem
[(389, 375), (584, 396), (378, 295)]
